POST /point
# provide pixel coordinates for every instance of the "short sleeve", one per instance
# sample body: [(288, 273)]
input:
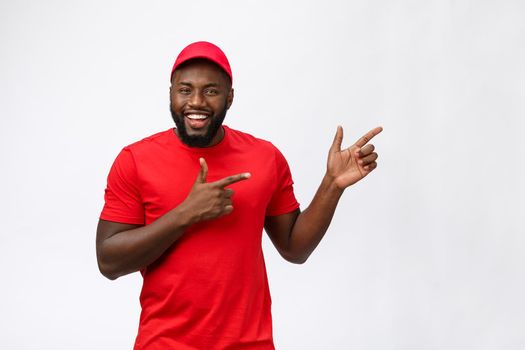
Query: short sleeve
[(283, 198), (123, 202)]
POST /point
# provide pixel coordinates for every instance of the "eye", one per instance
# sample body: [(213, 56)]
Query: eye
[(184, 91), (211, 91)]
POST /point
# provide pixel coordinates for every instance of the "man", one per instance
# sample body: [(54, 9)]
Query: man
[(187, 207)]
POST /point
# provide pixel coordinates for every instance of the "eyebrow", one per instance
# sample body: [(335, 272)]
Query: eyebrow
[(207, 85)]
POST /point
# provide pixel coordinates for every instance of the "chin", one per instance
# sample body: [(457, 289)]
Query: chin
[(198, 138)]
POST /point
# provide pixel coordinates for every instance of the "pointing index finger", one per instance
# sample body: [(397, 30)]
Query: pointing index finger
[(368, 136), (228, 180)]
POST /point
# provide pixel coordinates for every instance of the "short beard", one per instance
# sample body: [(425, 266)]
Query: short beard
[(198, 140)]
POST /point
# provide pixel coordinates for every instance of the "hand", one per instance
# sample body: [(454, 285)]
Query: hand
[(350, 165), (211, 200)]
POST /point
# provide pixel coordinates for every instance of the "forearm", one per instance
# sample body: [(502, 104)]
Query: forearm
[(312, 223), (122, 249), (131, 250), (296, 235)]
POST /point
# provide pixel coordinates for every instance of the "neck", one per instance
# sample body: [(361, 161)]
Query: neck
[(218, 137), (215, 140)]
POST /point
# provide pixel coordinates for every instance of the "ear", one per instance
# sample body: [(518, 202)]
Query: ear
[(229, 99)]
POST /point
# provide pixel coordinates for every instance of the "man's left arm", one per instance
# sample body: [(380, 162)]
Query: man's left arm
[(297, 234)]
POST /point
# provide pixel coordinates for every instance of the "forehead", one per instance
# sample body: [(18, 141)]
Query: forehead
[(200, 72)]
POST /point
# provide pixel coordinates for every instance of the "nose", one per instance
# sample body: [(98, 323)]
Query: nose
[(196, 100)]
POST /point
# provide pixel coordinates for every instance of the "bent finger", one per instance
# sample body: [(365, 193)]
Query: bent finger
[(368, 136), (227, 209), (363, 152), (370, 166), (368, 159)]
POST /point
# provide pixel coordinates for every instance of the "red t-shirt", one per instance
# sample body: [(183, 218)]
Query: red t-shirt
[(209, 290)]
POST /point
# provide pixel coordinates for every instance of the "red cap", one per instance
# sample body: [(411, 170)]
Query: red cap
[(206, 50)]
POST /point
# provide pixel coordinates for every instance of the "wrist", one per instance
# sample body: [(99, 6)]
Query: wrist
[(330, 185), (183, 217)]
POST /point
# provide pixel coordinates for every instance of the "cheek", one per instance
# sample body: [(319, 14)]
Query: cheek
[(221, 104), (176, 102)]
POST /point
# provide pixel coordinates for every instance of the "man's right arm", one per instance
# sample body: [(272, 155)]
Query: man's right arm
[(125, 248)]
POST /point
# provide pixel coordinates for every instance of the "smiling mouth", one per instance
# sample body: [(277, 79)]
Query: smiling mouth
[(197, 121), (196, 116)]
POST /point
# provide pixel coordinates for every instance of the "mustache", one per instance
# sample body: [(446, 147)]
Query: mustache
[(198, 140)]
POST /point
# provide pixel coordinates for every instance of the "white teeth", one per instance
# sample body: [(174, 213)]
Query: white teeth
[(197, 116)]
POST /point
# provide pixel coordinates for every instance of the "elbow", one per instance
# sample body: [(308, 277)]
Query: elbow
[(110, 276), (294, 255), (108, 265), (107, 270), (297, 259)]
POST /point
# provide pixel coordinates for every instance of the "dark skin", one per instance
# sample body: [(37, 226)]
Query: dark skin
[(202, 87), (198, 88)]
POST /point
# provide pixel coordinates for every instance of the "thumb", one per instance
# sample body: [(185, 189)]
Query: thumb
[(203, 172), (338, 140)]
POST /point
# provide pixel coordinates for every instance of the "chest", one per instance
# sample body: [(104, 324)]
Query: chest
[(166, 180)]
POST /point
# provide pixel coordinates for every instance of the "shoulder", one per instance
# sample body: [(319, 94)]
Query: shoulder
[(243, 139), (158, 144), (259, 149), (143, 149), (152, 141)]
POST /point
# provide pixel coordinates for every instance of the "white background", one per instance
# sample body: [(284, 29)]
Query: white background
[(426, 253)]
